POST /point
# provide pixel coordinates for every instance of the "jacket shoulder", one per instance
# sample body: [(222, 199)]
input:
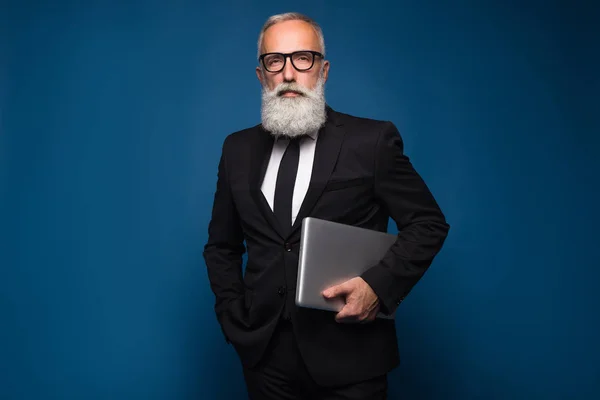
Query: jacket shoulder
[(366, 130), (363, 123), (241, 137)]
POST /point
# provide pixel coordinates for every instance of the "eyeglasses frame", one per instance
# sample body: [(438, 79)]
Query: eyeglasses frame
[(285, 56)]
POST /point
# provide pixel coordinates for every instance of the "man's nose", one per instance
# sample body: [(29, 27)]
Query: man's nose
[(289, 72)]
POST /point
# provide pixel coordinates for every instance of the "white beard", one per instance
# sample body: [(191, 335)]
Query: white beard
[(294, 116)]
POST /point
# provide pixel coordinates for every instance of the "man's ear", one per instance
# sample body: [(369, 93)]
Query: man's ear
[(325, 70), (259, 75)]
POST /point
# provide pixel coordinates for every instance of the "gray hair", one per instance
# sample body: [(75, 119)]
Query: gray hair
[(291, 16)]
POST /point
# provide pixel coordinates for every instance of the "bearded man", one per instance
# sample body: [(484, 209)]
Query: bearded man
[(305, 159)]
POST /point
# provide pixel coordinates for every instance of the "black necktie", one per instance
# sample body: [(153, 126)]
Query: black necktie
[(284, 188)]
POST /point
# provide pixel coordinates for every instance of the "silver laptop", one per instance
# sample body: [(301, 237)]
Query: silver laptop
[(331, 253)]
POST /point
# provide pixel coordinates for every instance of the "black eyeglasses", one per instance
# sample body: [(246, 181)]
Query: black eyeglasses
[(302, 60)]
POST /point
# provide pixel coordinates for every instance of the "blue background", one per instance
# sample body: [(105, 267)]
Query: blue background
[(112, 119)]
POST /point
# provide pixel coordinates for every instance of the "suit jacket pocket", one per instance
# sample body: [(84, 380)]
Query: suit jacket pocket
[(346, 183)]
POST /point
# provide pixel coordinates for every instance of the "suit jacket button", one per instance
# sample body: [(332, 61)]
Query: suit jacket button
[(281, 290), (288, 246)]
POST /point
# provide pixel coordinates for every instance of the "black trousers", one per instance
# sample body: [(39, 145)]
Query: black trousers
[(282, 375)]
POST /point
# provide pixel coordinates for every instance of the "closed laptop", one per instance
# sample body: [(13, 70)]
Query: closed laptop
[(332, 253)]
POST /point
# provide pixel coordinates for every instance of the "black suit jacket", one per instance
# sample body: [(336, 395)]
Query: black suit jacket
[(360, 177)]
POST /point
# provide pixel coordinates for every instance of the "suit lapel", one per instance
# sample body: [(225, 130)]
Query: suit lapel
[(329, 143), (260, 161)]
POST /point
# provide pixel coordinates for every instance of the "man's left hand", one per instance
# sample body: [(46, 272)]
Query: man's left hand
[(362, 304)]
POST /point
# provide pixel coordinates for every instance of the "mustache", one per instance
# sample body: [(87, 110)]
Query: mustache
[(291, 87)]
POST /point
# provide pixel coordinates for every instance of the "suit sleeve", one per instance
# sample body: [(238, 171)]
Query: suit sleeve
[(422, 228), (225, 246)]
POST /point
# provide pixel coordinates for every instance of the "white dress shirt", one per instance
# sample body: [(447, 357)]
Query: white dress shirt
[(305, 165)]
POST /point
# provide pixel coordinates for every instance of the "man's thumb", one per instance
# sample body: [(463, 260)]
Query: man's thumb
[(334, 291)]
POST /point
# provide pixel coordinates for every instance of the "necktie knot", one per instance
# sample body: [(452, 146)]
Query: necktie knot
[(295, 141)]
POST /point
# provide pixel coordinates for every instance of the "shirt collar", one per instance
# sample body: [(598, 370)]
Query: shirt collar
[(313, 135)]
